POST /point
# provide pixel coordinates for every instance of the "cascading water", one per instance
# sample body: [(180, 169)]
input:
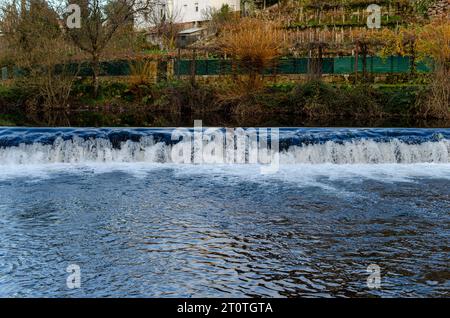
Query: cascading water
[(296, 146)]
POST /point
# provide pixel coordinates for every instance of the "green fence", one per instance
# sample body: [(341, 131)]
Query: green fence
[(110, 68), (337, 65)]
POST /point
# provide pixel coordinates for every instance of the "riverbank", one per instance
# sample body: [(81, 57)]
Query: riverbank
[(228, 103)]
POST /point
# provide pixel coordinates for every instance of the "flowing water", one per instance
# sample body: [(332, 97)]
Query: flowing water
[(116, 203)]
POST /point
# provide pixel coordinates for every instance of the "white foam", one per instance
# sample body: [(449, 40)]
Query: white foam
[(363, 151), (309, 165), (369, 151), (325, 176)]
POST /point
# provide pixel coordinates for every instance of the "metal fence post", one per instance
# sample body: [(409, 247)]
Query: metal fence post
[(193, 66)]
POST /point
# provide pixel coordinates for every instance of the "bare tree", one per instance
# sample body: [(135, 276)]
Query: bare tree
[(163, 22), (35, 44), (219, 18), (100, 21)]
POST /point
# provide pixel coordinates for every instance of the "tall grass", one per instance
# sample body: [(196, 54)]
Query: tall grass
[(254, 44), (142, 72)]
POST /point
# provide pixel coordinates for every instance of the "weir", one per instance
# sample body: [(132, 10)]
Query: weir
[(22, 146)]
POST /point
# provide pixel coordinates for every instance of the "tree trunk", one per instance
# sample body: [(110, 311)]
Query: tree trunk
[(95, 73), (364, 52), (178, 64), (412, 59), (364, 66), (320, 62), (356, 61), (193, 66)]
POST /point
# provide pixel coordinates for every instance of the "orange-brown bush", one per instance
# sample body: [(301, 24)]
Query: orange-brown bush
[(254, 44), (434, 41)]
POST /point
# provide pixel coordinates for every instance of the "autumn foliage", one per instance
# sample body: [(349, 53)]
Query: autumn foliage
[(434, 42), (254, 44)]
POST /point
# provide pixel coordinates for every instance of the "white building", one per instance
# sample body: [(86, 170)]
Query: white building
[(191, 11)]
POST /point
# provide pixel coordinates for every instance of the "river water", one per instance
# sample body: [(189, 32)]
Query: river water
[(115, 203)]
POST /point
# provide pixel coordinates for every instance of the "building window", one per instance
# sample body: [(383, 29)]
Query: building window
[(196, 7)]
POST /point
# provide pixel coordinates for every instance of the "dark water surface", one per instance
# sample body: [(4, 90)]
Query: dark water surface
[(164, 230)]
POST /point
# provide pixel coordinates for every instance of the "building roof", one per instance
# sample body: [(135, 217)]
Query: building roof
[(190, 31)]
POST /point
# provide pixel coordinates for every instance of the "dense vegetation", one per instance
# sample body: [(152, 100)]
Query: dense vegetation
[(121, 103)]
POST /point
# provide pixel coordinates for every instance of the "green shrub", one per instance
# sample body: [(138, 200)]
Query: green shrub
[(8, 120), (360, 101), (315, 99), (83, 90), (399, 99), (183, 96), (283, 87)]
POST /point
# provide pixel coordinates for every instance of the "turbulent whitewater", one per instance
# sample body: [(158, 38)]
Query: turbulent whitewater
[(295, 146)]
